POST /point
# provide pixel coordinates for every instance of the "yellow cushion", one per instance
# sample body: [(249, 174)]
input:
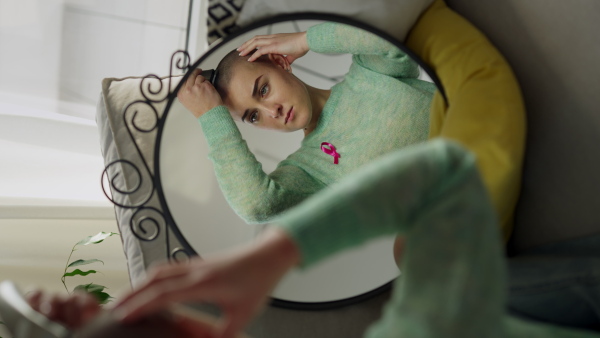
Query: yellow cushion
[(485, 110)]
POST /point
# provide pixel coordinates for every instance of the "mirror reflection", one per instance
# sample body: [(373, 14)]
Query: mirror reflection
[(293, 108)]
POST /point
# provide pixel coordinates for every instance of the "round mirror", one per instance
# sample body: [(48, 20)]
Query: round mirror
[(203, 218)]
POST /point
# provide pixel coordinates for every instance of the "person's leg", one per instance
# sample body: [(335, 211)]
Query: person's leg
[(453, 280), (454, 275)]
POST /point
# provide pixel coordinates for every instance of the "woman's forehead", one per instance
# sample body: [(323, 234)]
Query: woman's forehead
[(241, 85), (245, 71), (237, 101)]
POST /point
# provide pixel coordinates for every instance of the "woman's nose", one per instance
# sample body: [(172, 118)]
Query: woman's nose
[(275, 110)]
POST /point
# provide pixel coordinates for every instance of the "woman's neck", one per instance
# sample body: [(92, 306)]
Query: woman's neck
[(318, 99)]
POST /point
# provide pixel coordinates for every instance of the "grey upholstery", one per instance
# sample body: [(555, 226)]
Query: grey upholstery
[(554, 49)]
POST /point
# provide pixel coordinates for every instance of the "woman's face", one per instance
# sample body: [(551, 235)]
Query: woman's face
[(267, 95)]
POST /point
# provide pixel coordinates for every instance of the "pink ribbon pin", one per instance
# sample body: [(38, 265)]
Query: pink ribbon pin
[(330, 151)]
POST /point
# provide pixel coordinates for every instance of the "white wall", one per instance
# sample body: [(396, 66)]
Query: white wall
[(34, 253), (30, 45), (114, 38)]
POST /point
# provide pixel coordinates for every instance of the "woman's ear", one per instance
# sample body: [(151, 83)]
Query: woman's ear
[(281, 61)]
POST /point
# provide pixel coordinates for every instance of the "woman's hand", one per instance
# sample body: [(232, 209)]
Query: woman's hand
[(194, 324), (292, 45), (239, 282), (198, 95), (72, 311)]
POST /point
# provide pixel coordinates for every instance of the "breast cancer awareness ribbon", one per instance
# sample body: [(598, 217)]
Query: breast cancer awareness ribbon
[(330, 151)]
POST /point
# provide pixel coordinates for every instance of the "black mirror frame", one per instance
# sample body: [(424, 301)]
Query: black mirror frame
[(159, 216)]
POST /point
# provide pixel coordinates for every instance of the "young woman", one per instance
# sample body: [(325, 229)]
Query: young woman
[(379, 107)]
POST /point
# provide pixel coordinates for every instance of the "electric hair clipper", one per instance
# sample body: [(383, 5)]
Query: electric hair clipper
[(210, 75)]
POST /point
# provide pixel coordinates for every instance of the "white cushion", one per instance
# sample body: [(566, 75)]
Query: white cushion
[(118, 143)]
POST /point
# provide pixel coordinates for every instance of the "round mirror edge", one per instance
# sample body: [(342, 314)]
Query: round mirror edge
[(320, 306), (245, 29)]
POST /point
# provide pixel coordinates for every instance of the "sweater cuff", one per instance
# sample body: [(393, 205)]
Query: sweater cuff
[(217, 124)]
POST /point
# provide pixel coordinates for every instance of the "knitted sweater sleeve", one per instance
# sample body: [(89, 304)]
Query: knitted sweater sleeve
[(255, 196), (431, 193), (369, 50)]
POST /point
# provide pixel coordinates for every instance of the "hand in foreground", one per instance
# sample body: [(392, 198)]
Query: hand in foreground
[(177, 323), (292, 45), (193, 324), (198, 95), (239, 282), (72, 311), (81, 313)]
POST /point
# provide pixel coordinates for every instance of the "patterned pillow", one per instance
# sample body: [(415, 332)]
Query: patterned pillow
[(222, 17)]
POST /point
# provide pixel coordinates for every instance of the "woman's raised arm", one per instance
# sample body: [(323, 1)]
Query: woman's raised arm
[(292, 45), (370, 50)]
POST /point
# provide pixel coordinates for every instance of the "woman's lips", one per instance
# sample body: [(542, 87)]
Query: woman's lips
[(290, 115)]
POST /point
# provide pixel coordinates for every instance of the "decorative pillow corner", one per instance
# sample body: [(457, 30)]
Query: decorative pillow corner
[(222, 18), (127, 138)]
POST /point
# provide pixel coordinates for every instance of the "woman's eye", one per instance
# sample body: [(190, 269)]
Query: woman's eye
[(254, 117), (264, 90)]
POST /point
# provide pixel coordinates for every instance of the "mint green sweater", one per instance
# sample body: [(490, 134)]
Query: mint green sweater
[(453, 281), (379, 107)]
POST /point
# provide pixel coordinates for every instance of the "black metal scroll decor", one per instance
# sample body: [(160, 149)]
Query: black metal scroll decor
[(130, 183)]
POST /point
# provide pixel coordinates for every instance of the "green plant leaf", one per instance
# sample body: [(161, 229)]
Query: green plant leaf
[(84, 262), (90, 287), (97, 238), (103, 297), (96, 291), (78, 272)]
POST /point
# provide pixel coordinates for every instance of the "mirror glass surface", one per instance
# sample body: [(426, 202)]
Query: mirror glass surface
[(205, 219)]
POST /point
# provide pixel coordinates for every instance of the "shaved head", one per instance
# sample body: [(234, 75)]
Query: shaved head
[(225, 70)]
